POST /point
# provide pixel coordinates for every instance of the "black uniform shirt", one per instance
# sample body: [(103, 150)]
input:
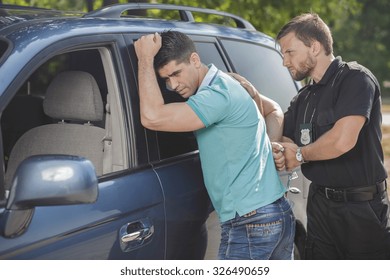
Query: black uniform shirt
[(346, 89)]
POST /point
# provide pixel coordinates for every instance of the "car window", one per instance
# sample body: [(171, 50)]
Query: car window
[(209, 54), (263, 67), (77, 85), (83, 60)]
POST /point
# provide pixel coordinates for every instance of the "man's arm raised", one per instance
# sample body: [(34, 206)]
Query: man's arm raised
[(155, 114)]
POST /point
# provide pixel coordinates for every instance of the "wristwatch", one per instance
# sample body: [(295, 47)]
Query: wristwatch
[(299, 156)]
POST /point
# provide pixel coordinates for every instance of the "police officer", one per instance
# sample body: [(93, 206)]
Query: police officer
[(334, 129)]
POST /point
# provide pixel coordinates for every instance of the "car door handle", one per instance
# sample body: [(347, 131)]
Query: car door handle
[(138, 235), (135, 234)]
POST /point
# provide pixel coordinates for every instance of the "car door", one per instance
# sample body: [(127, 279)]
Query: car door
[(126, 220)]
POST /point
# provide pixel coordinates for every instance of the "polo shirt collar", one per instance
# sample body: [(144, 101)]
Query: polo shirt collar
[(211, 74)]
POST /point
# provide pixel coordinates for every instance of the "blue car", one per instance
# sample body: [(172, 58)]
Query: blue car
[(81, 177)]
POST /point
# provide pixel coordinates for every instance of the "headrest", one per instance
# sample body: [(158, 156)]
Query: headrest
[(74, 95)]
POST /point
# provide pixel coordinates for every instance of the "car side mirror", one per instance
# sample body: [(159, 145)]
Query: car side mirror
[(47, 180)]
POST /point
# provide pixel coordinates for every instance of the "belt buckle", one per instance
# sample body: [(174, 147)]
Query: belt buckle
[(326, 192), (334, 194)]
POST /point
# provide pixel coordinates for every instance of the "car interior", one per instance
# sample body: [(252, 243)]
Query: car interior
[(64, 108), (71, 96)]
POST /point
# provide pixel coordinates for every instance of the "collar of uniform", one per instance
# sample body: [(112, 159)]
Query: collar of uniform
[(333, 68)]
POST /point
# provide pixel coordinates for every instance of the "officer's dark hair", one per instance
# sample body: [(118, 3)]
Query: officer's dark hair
[(307, 28), (176, 46)]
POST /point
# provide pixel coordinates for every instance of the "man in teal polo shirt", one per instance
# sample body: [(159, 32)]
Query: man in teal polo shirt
[(235, 151)]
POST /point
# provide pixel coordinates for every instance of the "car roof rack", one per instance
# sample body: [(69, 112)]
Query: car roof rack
[(185, 12)]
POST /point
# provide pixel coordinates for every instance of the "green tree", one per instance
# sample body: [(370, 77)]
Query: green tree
[(365, 37), (270, 15)]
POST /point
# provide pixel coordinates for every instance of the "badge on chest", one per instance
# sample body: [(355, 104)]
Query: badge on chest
[(306, 133)]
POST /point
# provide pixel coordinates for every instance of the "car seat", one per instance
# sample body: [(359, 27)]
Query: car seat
[(73, 98), (22, 114)]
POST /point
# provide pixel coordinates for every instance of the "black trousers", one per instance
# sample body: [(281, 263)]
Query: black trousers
[(347, 230)]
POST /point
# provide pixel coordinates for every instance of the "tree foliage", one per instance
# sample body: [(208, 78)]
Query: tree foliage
[(360, 27), (365, 37)]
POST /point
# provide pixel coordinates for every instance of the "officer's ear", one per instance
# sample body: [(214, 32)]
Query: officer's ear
[(316, 48)]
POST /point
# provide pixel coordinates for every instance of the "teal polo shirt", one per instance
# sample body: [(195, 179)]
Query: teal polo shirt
[(234, 148)]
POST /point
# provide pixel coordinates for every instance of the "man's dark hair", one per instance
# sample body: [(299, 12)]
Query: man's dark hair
[(175, 46), (307, 28)]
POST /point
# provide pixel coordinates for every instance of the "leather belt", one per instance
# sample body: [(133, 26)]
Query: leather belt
[(353, 194)]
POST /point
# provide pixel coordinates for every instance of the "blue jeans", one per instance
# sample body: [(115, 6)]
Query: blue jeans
[(263, 234)]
